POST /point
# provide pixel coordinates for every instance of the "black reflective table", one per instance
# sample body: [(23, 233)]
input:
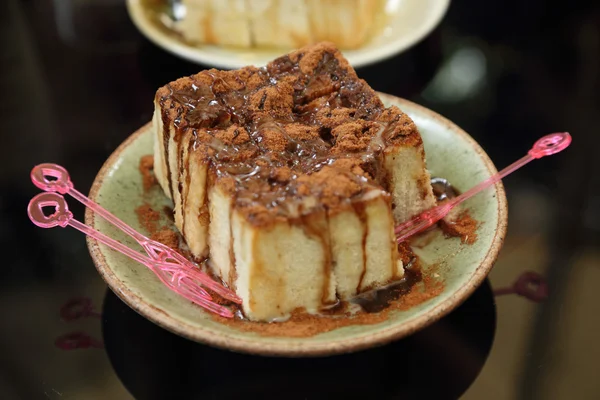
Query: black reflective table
[(77, 78)]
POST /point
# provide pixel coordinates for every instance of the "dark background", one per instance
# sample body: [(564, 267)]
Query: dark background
[(76, 78)]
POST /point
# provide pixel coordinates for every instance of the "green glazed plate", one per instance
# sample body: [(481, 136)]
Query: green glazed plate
[(451, 153)]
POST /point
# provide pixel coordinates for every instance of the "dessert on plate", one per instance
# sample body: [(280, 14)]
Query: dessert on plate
[(290, 178), (279, 23)]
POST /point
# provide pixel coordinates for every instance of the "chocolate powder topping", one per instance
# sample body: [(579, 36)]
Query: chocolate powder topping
[(302, 133)]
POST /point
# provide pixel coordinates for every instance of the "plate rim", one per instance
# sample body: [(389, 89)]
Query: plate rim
[(196, 55), (301, 349)]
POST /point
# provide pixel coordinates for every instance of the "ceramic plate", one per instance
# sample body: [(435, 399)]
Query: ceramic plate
[(451, 153), (407, 22)]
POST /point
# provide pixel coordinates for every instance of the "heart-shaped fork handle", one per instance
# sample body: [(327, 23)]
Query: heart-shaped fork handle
[(60, 217), (54, 178), (550, 144), (61, 182)]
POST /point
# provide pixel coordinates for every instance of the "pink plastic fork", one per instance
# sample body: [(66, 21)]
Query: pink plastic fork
[(545, 146), (174, 263), (171, 274)]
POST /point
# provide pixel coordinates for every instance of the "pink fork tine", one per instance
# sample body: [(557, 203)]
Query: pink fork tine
[(155, 250), (545, 146), (166, 274), (190, 290), (189, 293), (421, 222)]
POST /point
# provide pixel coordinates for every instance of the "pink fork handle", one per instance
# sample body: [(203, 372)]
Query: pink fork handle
[(550, 144), (545, 146), (60, 217), (61, 183)]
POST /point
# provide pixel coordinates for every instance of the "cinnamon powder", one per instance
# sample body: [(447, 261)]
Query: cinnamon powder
[(146, 167), (463, 226), (148, 217), (167, 237), (302, 324)]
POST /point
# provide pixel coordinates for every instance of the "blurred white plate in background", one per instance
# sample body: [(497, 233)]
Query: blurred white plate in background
[(407, 22)]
